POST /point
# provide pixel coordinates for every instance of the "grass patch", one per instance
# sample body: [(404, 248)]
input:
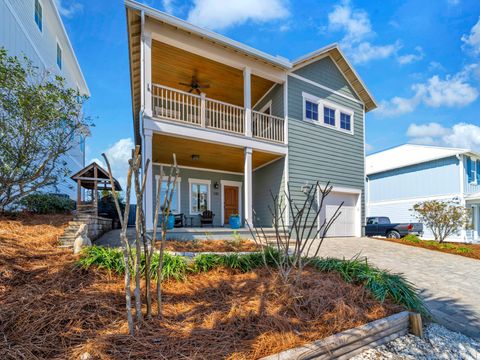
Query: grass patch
[(380, 283)]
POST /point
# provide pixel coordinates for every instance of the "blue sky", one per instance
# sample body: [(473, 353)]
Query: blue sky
[(419, 59)]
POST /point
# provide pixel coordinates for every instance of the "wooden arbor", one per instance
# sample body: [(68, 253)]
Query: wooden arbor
[(94, 178)]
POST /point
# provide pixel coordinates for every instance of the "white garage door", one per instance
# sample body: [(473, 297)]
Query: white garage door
[(345, 223)]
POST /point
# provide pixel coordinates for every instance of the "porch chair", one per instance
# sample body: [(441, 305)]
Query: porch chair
[(179, 220), (206, 218)]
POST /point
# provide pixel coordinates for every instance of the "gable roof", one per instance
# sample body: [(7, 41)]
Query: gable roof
[(87, 177), (409, 154)]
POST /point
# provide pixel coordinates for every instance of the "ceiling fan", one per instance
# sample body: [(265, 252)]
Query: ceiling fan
[(195, 84)]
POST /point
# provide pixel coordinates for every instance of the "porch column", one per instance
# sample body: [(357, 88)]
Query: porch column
[(148, 196), (147, 71), (248, 186), (247, 100)]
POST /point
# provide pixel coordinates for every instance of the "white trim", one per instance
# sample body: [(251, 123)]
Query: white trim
[(286, 165), (177, 188), (212, 136), (201, 169), (324, 87), (338, 109), (264, 95), (419, 199), (268, 105), (202, 182), (239, 185)]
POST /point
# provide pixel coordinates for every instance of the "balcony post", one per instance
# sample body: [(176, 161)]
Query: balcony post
[(202, 110), (147, 72), (148, 195), (247, 100), (248, 180)]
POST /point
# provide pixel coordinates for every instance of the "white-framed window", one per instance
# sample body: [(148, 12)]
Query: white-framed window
[(38, 14), (328, 114), (59, 56), (175, 205), (473, 170), (199, 194)]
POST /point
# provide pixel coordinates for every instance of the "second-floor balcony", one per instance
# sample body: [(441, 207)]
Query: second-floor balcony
[(200, 111)]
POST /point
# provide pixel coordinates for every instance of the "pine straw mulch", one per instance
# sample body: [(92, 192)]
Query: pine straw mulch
[(211, 246), (50, 308), (467, 250)]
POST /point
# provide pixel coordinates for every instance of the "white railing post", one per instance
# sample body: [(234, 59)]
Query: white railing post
[(248, 180), (203, 110), (247, 100)]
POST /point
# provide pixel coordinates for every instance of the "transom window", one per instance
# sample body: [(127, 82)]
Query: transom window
[(345, 121), (311, 110), (59, 56), (199, 196), (38, 14), (328, 116)]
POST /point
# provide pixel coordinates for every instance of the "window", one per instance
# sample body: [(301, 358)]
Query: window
[(38, 14), (175, 205), (328, 116), (473, 170), (311, 110), (59, 56), (345, 122), (199, 196)]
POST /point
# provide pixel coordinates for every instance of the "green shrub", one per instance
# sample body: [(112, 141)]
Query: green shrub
[(464, 250), (381, 283), (412, 238), (40, 203)]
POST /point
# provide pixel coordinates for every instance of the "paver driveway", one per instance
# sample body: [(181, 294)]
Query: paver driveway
[(450, 284)]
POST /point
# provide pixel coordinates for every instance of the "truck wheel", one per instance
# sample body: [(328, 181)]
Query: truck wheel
[(393, 234)]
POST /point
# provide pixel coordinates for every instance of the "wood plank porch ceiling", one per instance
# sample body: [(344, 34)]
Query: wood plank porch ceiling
[(211, 156)]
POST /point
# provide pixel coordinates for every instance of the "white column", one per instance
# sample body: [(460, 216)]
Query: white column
[(248, 181), (247, 100), (148, 196), (147, 71)]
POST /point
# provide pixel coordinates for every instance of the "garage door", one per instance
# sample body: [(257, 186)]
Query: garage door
[(345, 223)]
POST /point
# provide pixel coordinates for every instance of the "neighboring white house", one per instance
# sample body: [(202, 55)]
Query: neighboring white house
[(402, 176), (34, 28)]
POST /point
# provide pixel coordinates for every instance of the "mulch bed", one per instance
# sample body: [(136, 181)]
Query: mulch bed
[(51, 308), (211, 246), (472, 250)]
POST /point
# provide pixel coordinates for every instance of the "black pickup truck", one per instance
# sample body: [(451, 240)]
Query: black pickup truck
[(381, 226)]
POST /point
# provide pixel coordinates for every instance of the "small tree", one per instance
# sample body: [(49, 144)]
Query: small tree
[(442, 218), (39, 116)]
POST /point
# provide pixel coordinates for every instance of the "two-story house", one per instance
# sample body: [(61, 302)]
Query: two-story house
[(34, 28), (243, 123), (402, 176)]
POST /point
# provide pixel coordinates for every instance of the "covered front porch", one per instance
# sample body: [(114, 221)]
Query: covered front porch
[(215, 177)]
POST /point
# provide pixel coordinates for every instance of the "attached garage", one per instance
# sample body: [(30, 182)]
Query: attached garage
[(348, 222)]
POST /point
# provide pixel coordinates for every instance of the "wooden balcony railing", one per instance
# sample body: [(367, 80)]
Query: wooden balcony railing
[(198, 110)]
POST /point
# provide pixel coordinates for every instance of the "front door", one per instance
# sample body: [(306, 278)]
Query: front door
[(230, 198)]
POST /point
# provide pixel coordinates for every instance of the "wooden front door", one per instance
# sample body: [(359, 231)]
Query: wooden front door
[(230, 198)]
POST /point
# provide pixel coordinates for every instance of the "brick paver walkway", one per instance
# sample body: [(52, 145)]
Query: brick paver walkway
[(450, 284)]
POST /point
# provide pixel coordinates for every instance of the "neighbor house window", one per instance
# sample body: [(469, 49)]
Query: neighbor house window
[(59, 56), (328, 116), (175, 205), (473, 170), (38, 14), (345, 121), (311, 110), (199, 196)]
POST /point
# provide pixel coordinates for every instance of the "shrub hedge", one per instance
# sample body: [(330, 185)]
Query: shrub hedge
[(40, 203)]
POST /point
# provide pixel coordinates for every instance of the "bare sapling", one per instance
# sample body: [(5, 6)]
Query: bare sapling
[(297, 243), (167, 201), (123, 237)]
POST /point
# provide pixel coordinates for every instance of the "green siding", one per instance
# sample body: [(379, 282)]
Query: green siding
[(316, 152), (276, 95), (325, 72), (215, 196), (266, 179)]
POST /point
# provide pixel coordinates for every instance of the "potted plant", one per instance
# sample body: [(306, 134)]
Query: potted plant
[(234, 221)]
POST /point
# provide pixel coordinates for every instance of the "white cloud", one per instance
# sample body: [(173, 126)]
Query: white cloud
[(118, 155), (461, 135), (472, 40), (410, 58), (68, 8), (357, 27), (168, 6), (452, 91), (221, 14)]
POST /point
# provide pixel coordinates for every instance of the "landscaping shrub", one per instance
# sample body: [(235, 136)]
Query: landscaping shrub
[(412, 238), (40, 203), (381, 283)]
